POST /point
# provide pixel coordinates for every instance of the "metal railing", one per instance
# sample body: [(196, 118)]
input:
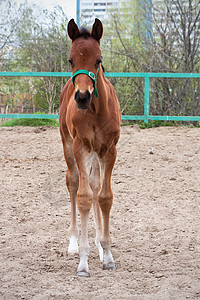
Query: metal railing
[(146, 117)]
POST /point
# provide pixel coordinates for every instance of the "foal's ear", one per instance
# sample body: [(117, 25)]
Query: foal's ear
[(97, 30), (73, 30)]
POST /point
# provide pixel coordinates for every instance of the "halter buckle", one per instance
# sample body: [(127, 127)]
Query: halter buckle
[(90, 74)]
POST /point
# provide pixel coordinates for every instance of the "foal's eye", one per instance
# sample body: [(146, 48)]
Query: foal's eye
[(98, 62), (71, 62)]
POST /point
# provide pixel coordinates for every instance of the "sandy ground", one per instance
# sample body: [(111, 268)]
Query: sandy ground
[(155, 221)]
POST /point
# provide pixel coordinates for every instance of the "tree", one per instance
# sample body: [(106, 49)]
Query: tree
[(164, 37), (124, 46), (7, 24), (10, 15), (41, 47), (46, 51), (175, 48)]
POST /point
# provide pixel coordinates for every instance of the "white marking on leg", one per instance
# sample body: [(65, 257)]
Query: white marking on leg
[(108, 261), (98, 244), (83, 268), (73, 245), (107, 257)]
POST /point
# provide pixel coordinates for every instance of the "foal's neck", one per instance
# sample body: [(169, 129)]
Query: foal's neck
[(101, 103)]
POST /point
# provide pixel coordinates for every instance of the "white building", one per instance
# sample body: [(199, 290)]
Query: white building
[(88, 10)]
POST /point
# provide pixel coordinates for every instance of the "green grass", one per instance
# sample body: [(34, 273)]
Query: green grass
[(153, 124), (30, 122), (55, 123)]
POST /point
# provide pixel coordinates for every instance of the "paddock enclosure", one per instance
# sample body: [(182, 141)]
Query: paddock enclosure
[(155, 223)]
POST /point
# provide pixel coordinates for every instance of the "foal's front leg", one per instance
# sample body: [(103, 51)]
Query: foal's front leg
[(72, 185), (84, 203)]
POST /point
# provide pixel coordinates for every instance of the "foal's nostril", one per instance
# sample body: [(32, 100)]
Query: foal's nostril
[(82, 96), (87, 95), (82, 99)]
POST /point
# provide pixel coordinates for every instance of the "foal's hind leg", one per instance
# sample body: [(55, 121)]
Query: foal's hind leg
[(95, 184), (105, 201)]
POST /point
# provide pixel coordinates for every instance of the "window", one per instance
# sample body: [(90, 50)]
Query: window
[(99, 4), (99, 9)]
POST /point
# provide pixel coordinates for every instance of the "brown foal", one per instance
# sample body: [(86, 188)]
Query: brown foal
[(90, 127)]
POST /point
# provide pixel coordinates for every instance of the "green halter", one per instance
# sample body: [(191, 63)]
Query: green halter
[(91, 75)]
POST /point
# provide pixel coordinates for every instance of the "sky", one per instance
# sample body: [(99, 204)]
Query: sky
[(69, 6)]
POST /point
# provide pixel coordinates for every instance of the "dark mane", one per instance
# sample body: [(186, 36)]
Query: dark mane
[(84, 32)]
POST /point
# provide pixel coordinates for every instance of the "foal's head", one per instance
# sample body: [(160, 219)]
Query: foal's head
[(85, 54)]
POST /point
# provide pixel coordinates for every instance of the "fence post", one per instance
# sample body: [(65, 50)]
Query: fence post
[(146, 98)]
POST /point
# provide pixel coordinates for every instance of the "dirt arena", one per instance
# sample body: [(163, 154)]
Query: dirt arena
[(155, 220)]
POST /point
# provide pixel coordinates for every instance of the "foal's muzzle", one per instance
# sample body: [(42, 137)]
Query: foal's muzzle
[(83, 99)]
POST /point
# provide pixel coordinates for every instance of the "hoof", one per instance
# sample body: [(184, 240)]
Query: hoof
[(72, 252), (109, 266), (83, 274)]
